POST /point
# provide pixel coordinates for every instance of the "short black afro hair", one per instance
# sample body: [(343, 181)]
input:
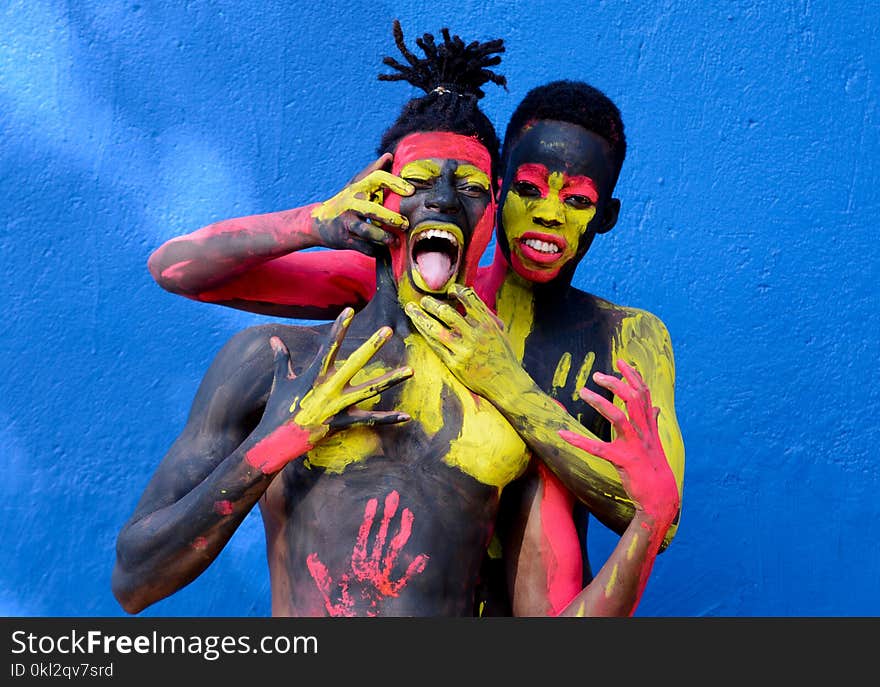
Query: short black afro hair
[(574, 102)]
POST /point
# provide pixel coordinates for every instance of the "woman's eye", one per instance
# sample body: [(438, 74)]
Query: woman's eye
[(579, 202), (526, 189)]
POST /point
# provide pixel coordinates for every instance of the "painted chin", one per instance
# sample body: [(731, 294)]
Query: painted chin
[(435, 252), (538, 256)]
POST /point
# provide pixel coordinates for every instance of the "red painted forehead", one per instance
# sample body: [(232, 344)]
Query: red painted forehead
[(441, 145)]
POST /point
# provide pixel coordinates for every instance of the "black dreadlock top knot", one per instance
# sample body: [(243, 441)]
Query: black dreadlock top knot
[(450, 67)]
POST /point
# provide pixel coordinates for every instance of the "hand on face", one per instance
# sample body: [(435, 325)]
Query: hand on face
[(356, 219), (472, 345), (636, 450), (302, 410)]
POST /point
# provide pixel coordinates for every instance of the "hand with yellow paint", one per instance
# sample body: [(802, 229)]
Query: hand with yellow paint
[(636, 450), (304, 409), (355, 218), (472, 345)]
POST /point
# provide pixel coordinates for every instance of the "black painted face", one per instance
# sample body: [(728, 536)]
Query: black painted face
[(555, 197), (449, 201)]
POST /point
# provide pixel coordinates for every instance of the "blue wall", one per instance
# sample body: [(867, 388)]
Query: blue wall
[(749, 225)]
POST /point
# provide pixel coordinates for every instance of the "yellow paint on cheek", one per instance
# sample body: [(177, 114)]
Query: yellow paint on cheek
[(486, 447), (515, 216), (612, 580), (560, 376), (583, 375)]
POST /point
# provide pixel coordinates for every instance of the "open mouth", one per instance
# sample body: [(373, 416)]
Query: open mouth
[(435, 254), (541, 248)]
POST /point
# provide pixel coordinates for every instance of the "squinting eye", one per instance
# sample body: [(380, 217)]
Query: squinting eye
[(526, 189), (419, 184), (579, 202)]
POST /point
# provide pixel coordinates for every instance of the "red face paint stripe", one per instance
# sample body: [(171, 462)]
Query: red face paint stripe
[(580, 186), (441, 145), (535, 174), (273, 452)]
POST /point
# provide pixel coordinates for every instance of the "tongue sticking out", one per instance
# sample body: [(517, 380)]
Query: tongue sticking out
[(435, 267)]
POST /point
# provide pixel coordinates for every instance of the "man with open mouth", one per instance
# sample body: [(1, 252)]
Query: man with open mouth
[(378, 495), (561, 163)]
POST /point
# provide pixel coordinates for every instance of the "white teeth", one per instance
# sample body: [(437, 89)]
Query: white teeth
[(440, 234), (542, 246)]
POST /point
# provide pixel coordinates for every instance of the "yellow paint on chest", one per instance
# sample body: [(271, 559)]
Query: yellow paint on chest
[(583, 375), (485, 447), (560, 375), (515, 307), (354, 445)]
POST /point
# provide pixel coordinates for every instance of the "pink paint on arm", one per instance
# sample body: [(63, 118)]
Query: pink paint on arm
[(561, 550), (318, 279), (274, 451)]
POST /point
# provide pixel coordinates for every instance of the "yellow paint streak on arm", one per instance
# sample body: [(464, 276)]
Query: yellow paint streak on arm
[(560, 376), (583, 375), (612, 580), (645, 344), (631, 549)]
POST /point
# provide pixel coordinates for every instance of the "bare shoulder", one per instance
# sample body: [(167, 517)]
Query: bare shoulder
[(629, 324)]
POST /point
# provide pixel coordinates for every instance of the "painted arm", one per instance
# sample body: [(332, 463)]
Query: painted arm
[(545, 566), (252, 263), (637, 454), (474, 347), (251, 416)]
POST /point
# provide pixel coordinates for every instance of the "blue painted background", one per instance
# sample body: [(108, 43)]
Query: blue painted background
[(751, 207)]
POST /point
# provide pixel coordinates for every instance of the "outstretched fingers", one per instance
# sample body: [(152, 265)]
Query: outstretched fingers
[(438, 336), (337, 334), (375, 386), (361, 355), (605, 408), (473, 304), (591, 446), (444, 312), (366, 418)]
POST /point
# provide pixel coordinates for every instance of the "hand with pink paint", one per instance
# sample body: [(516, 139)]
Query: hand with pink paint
[(362, 589), (355, 218), (304, 409), (636, 450)]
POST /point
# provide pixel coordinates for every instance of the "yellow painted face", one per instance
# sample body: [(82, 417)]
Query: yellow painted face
[(545, 215)]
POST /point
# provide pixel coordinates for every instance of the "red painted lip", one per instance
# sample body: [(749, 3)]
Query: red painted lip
[(537, 256)]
